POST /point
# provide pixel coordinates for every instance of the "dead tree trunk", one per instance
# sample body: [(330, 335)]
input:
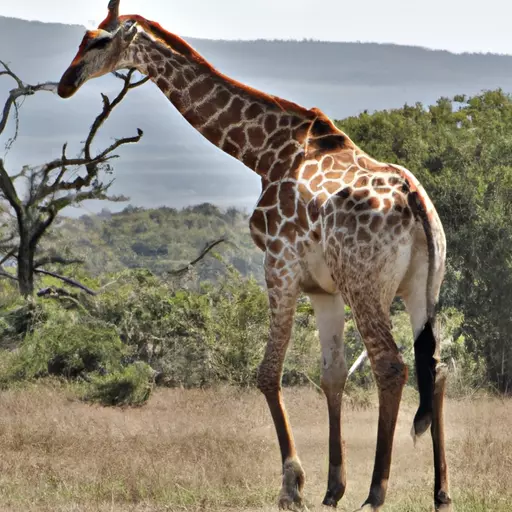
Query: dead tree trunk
[(25, 265), (52, 186)]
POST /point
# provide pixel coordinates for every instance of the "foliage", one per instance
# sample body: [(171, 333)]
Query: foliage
[(131, 385), (67, 344), (210, 326), (162, 239), (197, 333), (461, 151)]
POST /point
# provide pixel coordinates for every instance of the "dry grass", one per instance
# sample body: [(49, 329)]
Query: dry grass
[(216, 450)]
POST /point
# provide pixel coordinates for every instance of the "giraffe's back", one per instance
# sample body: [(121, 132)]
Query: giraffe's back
[(346, 218)]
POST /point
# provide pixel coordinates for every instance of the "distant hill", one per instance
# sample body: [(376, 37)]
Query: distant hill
[(175, 166), (161, 239)]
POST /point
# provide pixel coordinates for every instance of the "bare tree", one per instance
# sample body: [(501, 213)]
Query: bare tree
[(50, 187)]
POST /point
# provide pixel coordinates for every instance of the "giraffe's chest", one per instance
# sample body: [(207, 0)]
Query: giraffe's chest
[(285, 241), (280, 223)]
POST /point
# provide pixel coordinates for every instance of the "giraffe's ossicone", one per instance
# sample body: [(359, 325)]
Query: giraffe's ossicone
[(333, 222)]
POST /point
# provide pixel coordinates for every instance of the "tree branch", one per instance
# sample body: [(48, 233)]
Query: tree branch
[(10, 73), (358, 362), (205, 251), (3, 273), (42, 226), (80, 181), (10, 254), (22, 90), (9, 191), (55, 259), (108, 107), (67, 280)]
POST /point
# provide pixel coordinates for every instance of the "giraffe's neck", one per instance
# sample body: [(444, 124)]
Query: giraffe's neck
[(266, 133)]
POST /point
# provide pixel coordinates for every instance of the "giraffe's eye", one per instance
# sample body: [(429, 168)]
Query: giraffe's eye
[(127, 25), (99, 44)]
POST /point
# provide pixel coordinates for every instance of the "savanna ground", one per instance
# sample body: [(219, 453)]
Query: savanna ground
[(216, 450)]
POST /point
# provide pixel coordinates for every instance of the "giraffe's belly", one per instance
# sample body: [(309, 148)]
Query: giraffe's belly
[(316, 276)]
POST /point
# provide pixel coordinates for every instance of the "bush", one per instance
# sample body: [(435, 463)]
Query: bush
[(68, 345), (131, 385)]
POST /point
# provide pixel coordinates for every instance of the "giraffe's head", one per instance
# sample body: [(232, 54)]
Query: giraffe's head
[(101, 51)]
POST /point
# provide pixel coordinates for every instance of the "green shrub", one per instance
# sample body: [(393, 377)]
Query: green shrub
[(131, 385), (67, 344)]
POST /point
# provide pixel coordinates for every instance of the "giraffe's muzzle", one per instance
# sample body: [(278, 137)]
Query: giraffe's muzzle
[(70, 82)]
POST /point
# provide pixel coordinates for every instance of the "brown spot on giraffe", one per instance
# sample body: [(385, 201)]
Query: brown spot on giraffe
[(348, 240), (269, 196), (376, 223), (276, 246), (331, 186), (270, 124), (309, 171), (273, 221), (327, 164), (316, 183), (163, 84), (179, 82), (256, 136), (304, 193), (237, 135), (348, 176), (201, 89), (206, 110), (286, 153), (393, 219), (265, 161), (350, 222), (253, 111), (363, 235), (348, 205), (364, 218), (386, 205), (302, 215), (287, 195), (374, 202), (221, 99), (361, 182)]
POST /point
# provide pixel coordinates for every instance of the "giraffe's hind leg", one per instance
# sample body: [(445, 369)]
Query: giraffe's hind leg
[(390, 375), (427, 347), (330, 316)]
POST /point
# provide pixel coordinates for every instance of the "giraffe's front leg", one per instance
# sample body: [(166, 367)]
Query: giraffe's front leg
[(330, 318), (283, 290)]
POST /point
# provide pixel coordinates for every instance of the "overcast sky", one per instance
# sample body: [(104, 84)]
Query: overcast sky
[(455, 25)]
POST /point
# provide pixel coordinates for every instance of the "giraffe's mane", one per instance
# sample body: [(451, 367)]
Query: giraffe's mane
[(180, 45)]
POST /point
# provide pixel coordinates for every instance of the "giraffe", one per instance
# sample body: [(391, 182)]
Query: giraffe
[(332, 222)]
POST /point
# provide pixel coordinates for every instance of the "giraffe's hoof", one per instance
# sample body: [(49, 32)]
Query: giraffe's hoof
[(332, 496), (329, 501), (443, 502), (290, 497), (368, 508), (335, 486), (292, 503)]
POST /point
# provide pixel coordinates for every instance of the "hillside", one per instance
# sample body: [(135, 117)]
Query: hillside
[(173, 165), (162, 239)]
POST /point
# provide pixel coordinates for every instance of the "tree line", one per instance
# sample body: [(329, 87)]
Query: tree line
[(113, 303)]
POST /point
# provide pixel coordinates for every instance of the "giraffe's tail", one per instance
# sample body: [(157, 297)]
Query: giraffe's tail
[(425, 346)]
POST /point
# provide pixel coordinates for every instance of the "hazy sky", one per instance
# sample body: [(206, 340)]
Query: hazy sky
[(456, 25)]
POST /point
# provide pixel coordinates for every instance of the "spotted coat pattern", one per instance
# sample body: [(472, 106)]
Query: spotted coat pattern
[(332, 221)]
